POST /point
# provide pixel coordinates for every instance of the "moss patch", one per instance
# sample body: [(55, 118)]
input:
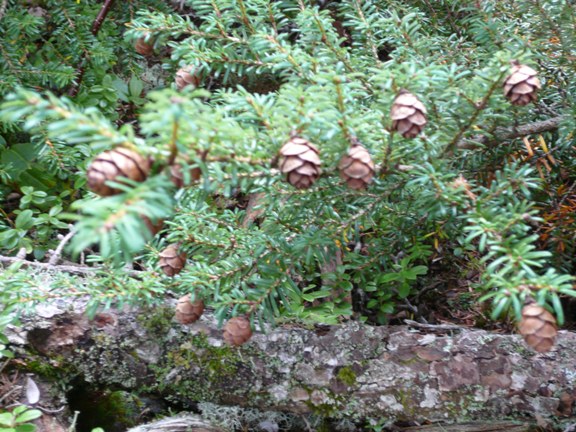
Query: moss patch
[(194, 369), (347, 376)]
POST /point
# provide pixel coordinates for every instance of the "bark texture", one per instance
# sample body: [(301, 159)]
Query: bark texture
[(350, 371)]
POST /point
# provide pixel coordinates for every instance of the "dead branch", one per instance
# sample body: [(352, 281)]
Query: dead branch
[(503, 134)]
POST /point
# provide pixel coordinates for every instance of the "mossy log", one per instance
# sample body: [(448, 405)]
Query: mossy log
[(350, 371)]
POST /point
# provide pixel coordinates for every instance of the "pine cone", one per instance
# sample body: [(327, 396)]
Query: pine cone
[(408, 114), (171, 261), (538, 327), (114, 164), (356, 168), (187, 311), (300, 162), (522, 85), (144, 48), (188, 75), (237, 331)]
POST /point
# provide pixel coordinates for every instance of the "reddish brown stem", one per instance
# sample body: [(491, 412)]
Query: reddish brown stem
[(95, 29), (101, 16)]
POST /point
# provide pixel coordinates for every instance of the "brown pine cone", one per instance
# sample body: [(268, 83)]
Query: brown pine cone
[(237, 331), (538, 327), (356, 168), (408, 114), (144, 48), (187, 75), (114, 164), (522, 85), (172, 261), (187, 311), (300, 162)]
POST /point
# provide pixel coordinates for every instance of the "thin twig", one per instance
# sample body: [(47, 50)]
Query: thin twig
[(434, 327), (478, 108), (95, 29), (73, 269), (58, 252)]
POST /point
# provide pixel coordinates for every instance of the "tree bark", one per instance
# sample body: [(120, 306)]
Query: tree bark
[(349, 371)]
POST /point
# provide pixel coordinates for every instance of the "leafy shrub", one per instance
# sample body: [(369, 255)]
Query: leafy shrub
[(480, 187)]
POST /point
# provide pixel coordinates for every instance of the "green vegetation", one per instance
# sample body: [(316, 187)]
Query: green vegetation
[(486, 187)]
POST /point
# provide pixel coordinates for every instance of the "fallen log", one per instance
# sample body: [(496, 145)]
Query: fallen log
[(349, 371)]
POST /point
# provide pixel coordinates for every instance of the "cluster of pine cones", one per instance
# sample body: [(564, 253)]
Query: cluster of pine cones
[(300, 162)]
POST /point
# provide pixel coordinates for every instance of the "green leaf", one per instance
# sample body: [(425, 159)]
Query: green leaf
[(25, 221), (6, 419), (558, 309), (18, 157), (26, 428), (6, 353), (404, 290), (28, 415), (136, 86), (389, 277)]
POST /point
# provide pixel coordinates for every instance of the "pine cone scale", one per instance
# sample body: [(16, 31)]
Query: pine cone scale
[(291, 164)]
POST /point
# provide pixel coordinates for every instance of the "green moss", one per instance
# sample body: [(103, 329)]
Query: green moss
[(157, 321), (55, 369), (347, 376), (111, 410), (333, 406), (203, 371), (406, 399)]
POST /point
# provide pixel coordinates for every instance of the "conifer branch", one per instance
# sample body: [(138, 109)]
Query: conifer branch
[(478, 108)]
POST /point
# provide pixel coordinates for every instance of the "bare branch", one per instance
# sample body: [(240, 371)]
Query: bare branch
[(73, 269), (503, 134), (58, 252), (3, 8)]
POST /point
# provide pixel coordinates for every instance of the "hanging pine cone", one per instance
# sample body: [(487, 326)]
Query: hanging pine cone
[(300, 162), (538, 327), (188, 75), (408, 114), (114, 164), (237, 331), (172, 261), (356, 168), (144, 48), (188, 312), (522, 85)]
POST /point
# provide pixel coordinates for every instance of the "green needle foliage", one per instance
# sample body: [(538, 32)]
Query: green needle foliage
[(467, 192)]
